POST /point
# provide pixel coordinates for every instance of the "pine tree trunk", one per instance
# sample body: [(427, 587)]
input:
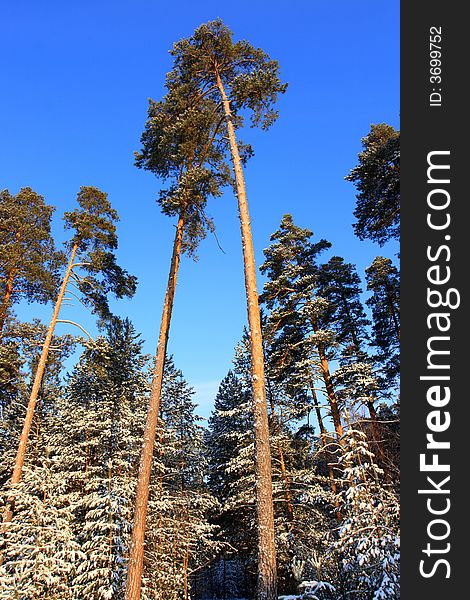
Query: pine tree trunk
[(6, 298), (136, 555), (330, 392), (280, 451), (20, 456), (267, 572), (324, 439), (376, 433)]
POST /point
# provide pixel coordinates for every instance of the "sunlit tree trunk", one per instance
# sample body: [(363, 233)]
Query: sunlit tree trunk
[(20, 455), (324, 439), (376, 429), (330, 391), (267, 570), (328, 455), (136, 555)]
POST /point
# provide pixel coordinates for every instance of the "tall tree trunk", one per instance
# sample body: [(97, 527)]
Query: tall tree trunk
[(376, 429), (267, 571), (20, 455), (136, 555), (324, 439), (6, 298), (328, 455), (330, 391), (285, 477)]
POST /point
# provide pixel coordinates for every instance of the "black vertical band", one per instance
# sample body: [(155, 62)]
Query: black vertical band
[(435, 359)]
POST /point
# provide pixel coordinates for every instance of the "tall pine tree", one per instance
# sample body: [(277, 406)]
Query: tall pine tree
[(384, 283), (93, 268), (377, 179), (29, 262), (240, 77), (297, 312), (95, 440), (179, 146)]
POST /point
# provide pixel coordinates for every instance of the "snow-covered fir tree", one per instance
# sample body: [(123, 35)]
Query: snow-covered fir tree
[(340, 284), (368, 543), (297, 313), (302, 499), (19, 351), (383, 281), (40, 552), (231, 478), (180, 538), (96, 440)]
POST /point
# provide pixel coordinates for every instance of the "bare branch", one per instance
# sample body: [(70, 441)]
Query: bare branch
[(76, 325)]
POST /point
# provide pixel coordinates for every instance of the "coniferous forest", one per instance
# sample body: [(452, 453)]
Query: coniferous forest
[(112, 486)]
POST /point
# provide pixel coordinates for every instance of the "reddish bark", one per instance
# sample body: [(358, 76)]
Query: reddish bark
[(267, 570), (136, 555), (20, 455)]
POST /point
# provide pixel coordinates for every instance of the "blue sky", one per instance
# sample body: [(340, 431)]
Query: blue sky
[(76, 77)]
